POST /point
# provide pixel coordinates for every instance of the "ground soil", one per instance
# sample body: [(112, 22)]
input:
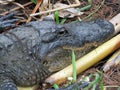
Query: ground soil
[(107, 11)]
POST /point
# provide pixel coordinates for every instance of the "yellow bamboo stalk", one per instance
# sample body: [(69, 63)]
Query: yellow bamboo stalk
[(28, 88), (87, 61)]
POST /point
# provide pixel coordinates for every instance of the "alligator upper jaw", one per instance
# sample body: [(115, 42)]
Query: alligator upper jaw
[(53, 48), (46, 49)]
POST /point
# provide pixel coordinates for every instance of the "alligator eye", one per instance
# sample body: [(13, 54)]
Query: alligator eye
[(62, 32)]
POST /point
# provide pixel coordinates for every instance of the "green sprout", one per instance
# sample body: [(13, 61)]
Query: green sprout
[(74, 66), (87, 6), (57, 19), (34, 1), (56, 16), (94, 83), (97, 8), (55, 86)]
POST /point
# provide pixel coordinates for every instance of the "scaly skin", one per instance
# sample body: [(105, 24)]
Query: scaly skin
[(30, 53)]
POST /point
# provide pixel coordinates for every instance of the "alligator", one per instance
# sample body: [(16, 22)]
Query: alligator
[(29, 53)]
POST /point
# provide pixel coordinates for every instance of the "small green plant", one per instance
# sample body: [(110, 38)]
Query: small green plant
[(87, 6), (74, 71), (56, 16), (57, 19), (74, 66), (34, 1), (97, 8), (95, 83), (55, 86)]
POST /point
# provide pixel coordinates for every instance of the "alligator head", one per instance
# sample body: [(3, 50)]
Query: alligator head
[(78, 36)]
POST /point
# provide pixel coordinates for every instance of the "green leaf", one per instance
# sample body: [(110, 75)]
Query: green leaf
[(85, 8), (90, 2), (63, 21), (55, 86), (74, 66), (34, 1), (101, 86), (56, 16), (93, 83)]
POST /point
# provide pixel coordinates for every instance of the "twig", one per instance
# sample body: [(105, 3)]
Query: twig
[(44, 12), (16, 8), (114, 60), (116, 22), (18, 4), (35, 9)]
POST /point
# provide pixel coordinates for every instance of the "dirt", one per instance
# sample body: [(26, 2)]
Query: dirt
[(112, 76), (108, 10)]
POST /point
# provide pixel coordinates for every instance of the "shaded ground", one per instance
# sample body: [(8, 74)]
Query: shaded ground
[(107, 11)]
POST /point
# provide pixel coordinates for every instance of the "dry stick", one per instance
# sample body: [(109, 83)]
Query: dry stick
[(14, 9), (77, 1), (44, 12), (113, 61), (18, 4), (88, 60), (35, 9), (116, 22)]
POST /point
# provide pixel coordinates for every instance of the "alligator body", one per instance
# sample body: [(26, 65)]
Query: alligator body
[(30, 53)]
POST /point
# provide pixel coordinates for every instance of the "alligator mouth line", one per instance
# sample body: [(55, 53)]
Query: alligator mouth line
[(87, 45)]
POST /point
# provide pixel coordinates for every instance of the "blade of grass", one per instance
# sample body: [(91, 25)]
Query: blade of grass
[(56, 16), (93, 83), (63, 21), (94, 87), (101, 86), (34, 1), (90, 2), (86, 7), (55, 86), (57, 19), (74, 66), (102, 3)]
